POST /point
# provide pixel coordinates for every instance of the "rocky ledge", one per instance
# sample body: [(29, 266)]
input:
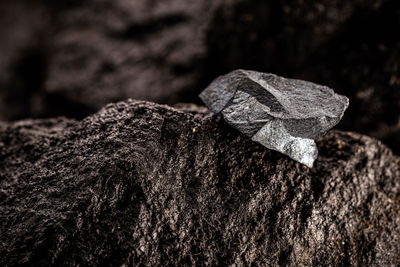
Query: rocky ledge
[(145, 183)]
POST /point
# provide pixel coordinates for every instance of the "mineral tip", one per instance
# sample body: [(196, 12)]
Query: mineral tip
[(282, 114)]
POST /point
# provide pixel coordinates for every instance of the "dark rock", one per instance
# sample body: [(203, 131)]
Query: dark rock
[(282, 114), (129, 46), (72, 57), (349, 46), (97, 52), (143, 183)]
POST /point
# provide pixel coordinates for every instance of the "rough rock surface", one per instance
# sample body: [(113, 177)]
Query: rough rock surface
[(140, 182), (282, 114), (347, 45), (70, 57)]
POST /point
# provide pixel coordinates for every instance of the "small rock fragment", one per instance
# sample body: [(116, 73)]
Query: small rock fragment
[(282, 114)]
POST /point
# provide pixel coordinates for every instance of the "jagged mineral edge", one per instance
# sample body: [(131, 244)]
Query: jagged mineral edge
[(282, 114)]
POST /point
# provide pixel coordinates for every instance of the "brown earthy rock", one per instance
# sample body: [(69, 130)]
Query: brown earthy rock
[(72, 57), (144, 183)]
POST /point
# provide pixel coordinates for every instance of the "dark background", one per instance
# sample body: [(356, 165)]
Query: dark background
[(70, 58)]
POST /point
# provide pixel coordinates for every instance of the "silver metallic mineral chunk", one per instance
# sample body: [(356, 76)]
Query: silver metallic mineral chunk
[(282, 114)]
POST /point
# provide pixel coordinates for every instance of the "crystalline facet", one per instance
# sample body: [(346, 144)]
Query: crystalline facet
[(282, 114)]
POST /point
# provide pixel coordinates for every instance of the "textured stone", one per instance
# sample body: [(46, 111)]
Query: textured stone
[(280, 113), (144, 183), (349, 46), (64, 58)]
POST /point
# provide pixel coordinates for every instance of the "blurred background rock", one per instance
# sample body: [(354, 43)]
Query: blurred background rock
[(70, 58)]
